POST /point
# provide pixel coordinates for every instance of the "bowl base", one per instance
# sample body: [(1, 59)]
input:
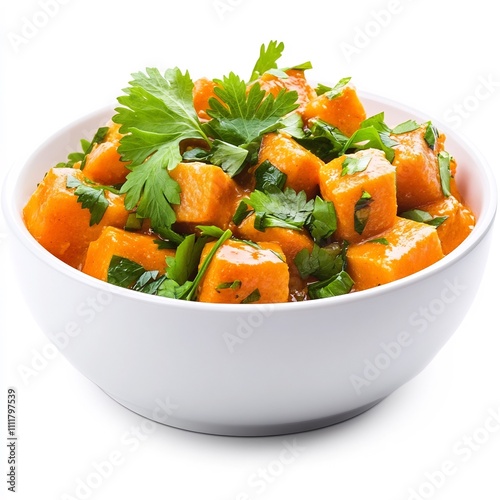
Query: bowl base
[(246, 430)]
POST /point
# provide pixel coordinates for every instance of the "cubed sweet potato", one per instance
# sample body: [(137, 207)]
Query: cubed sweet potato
[(103, 164), (404, 249), (417, 169), (345, 111), (139, 248), (59, 223), (208, 196), (377, 183), (242, 273), (296, 81), (203, 90), (287, 155), (458, 225), (290, 241)]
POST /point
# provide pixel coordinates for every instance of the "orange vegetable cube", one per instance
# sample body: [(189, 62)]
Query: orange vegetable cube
[(417, 169), (242, 273), (377, 184), (409, 247), (139, 248), (103, 164), (203, 90), (291, 242), (59, 223), (288, 156), (345, 111), (296, 81), (208, 196), (458, 225)]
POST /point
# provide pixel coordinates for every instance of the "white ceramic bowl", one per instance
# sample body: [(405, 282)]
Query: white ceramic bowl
[(250, 369)]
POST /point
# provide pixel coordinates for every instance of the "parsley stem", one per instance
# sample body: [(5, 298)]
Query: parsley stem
[(203, 269)]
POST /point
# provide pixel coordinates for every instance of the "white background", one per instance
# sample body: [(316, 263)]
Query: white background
[(437, 56)]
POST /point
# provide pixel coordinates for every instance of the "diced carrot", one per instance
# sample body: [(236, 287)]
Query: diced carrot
[(290, 241), (103, 164), (59, 223), (378, 181), (417, 169), (287, 155), (139, 248), (404, 249), (345, 111), (458, 225), (242, 273), (208, 196), (296, 81), (203, 90)]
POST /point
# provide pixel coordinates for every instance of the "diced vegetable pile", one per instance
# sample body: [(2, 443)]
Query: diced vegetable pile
[(256, 190)]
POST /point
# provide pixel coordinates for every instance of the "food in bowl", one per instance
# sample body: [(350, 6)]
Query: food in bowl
[(251, 191)]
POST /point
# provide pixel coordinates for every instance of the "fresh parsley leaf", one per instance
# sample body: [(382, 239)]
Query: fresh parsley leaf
[(376, 121), (210, 231), (407, 126), (268, 58), (362, 212), (323, 221), (133, 223), (242, 212), (333, 92), (90, 197), (253, 297), (170, 238), (444, 160), (292, 124), (233, 285), (267, 175), (339, 284), (431, 135), (157, 113), (323, 140), (276, 208), (370, 137), (322, 263), (351, 165), (240, 117), (381, 241), (183, 265), (423, 216), (229, 157), (123, 272)]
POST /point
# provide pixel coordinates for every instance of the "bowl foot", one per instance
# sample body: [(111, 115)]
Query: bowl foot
[(246, 429)]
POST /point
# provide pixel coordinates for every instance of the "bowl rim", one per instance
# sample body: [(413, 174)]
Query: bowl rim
[(483, 224)]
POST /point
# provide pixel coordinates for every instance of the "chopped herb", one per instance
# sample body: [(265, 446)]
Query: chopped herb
[(91, 197), (407, 126), (253, 297), (378, 122), (444, 160), (382, 241), (169, 238), (211, 231), (242, 212), (133, 223), (371, 137), (268, 58), (323, 140), (351, 165), (333, 92), (123, 272), (431, 135), (423, 216), (362, 212), (322, 263), (233, 285), (268, 175), (323, 221), (276, 208), (339, 284), (86, 149), (183, 265)]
